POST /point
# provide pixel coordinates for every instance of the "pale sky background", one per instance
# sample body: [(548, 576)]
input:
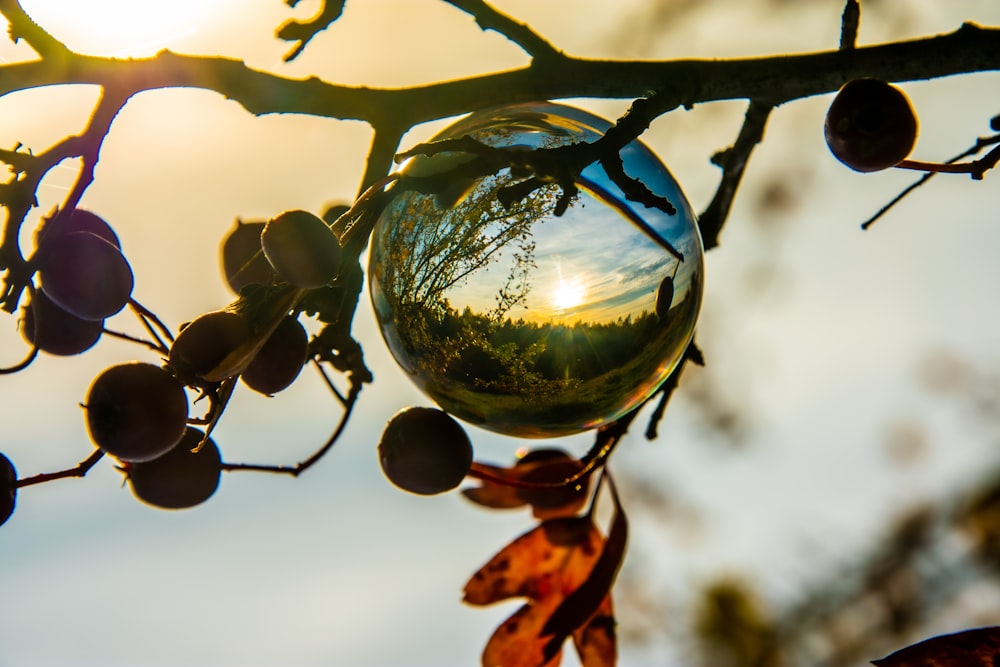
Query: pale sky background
[(338, 567)]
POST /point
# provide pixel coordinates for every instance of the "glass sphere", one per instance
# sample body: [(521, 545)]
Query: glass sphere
[(524, 322)]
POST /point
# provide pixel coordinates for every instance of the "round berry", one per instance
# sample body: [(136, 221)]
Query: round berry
[(279, 360), (51, 329), (183, 477), (8, 488), (204, 343), (243, 260), (136, 411), (302, 249), (424, 451), (84, 275), (870, 125), (77, 220)]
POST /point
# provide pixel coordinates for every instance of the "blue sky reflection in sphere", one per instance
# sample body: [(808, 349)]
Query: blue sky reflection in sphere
[(524, 322)]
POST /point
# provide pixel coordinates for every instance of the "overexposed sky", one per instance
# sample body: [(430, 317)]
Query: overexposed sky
[(814, 329)]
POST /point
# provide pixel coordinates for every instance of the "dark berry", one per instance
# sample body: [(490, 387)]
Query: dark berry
[(55, 331), (303, 250), (183, 477), (8, 489), (870, 125), (84, 275), (77, 220), (279, 360), (206, 342), (243, 260), (136, 411), (425, 451)]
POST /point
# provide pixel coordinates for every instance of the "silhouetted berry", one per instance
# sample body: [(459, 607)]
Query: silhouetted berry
[(8, 491), (279, 360), (425, 451), (302, 249), (182, 477), (243, 260), (136, 411), (870, 125), (84, 275), (55, 331), (204, 343)]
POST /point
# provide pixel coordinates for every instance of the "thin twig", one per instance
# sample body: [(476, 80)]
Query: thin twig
[(521, 34), (849, 23), (301, 467), (302, 32), (733, 162), (78, 470), (980, 144)]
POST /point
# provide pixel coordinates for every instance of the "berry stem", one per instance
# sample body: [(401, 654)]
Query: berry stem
[(79, 470), (24, 363), (936, 167)]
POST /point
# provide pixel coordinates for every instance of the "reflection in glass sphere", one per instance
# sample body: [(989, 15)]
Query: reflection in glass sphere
[(524, 322)]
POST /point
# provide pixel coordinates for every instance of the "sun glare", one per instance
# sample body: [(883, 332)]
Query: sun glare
[(568, 293), (121, 28)]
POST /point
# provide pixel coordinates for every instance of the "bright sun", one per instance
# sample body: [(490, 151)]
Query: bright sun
[(568, 293), (120, 27)]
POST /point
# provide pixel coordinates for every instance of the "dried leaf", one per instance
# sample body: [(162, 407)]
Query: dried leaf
[(550, 466), (596, 642), (544, 565), (549, 561), (583, 603), (971, 648), (494, 495), (516, 642)]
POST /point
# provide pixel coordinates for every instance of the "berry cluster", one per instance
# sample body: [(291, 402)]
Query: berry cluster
[(139, 412)]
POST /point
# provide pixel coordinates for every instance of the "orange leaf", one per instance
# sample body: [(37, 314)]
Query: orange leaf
[(595, 642), (545, 465), (584, 601), (516, 643), (544, 565), (550, 561), (492, 494), (970, 648)]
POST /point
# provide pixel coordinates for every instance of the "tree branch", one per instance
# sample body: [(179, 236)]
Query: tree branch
[(733, 162), (686, 82), (521, 34), (23, 27)]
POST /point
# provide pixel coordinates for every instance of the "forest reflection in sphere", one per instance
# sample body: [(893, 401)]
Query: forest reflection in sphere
[(528, 323)]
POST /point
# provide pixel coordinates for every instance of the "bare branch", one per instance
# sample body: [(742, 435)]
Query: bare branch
[(688, 82), (849, 23), (733, 162), (79, 470), (23, 27), (976, 148), (302, 32), (521, 34)]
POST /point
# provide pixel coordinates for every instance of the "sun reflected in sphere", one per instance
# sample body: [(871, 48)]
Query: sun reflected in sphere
[(528, 323), (568, 293)]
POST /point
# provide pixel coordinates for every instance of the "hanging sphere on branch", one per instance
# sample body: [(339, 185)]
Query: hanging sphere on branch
[(525, 322)]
